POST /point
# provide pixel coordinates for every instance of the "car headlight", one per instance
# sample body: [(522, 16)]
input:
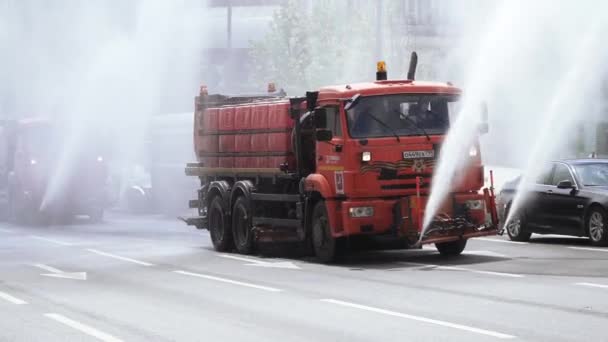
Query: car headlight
[(473, 151), (361, 211), (366, 156), (474, 204)]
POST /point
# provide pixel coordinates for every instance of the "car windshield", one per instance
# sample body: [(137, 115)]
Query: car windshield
[(401, 114), (595, 174)]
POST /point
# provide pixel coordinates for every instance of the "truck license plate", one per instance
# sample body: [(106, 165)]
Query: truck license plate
[(418, 154)]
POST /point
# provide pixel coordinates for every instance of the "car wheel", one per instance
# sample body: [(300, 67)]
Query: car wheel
[(241, 226), (516, 228), (221, 234), (324, 245), (452, 248), (597, 227)]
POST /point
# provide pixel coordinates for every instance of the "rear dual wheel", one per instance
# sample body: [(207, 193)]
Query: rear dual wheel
[(242, 228), (452, 248), (219, 229)]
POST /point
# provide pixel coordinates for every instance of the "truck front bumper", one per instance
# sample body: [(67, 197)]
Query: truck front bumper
[(403, 217)]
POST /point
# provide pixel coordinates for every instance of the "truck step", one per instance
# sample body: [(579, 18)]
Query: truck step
[(275, 222), (197, 221), (275, 197)]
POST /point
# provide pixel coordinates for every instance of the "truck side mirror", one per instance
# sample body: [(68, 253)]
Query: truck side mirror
[(320, 118), (323, 135), (311, 100)]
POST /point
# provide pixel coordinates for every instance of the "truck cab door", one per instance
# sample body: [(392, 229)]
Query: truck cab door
[(330, 159)]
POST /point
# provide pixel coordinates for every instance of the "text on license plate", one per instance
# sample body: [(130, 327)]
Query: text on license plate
[(418, 154)]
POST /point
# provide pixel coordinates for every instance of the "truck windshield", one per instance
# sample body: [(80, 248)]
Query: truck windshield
[(405, 114)]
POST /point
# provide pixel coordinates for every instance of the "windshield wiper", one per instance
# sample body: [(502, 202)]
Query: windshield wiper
[(383, 124), (420, 128)]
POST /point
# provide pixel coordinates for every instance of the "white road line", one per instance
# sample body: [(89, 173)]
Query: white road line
[(12, 299), (454, 268), (420, 319), (143, 263), (82, 328), (5, 230), (592, 285), (47, 268), (485, 253), (501, 241), (230, 281), (590, 249), (62, 243)]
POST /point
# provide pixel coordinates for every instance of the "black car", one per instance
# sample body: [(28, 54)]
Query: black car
[(570, 197)]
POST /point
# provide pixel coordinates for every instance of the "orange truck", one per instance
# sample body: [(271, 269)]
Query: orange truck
[(345, 163)]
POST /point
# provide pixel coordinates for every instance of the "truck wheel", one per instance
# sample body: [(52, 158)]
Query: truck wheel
[(516, 228), (597, 226), (221, 234), (451, 248), (324, 245), (241, 226)]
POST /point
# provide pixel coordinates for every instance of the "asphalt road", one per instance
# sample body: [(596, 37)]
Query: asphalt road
[(151, 279)]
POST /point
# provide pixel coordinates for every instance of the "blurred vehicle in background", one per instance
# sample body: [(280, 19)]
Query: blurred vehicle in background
[(35, 156), (167, 147), (570, 197)]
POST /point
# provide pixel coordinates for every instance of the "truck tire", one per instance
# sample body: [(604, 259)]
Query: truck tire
[(452, 248), (242, 231), (324, 245), (219, 229)]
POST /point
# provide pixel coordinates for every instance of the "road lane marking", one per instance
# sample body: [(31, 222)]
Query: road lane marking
[(485, 253), (42, 238), (261, 263), (6, 230), (501, 241), (420, 319), (143, 263), (12, 299), (83, 328), (592, 285), (589, 249), (57, 273), (230, 281), (455, 268)]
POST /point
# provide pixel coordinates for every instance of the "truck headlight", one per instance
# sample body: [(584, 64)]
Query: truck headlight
[(100, 159), (474, 204), (33, 162), (366, 156), (361, 211), (473, 151)]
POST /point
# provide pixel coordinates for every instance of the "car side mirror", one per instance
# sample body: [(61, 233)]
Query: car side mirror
[(565, 184), (323, 135), (320, 117)]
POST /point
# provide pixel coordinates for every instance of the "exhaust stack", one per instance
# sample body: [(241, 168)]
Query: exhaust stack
[(411, 73)]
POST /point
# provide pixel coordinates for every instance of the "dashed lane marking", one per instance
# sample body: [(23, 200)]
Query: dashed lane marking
[(12, 299), (82, 328), (463, 269), (501, 241), (229, 281), (592, 285), (118, 257), (420, 319), (58, 242), (590, 249)]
